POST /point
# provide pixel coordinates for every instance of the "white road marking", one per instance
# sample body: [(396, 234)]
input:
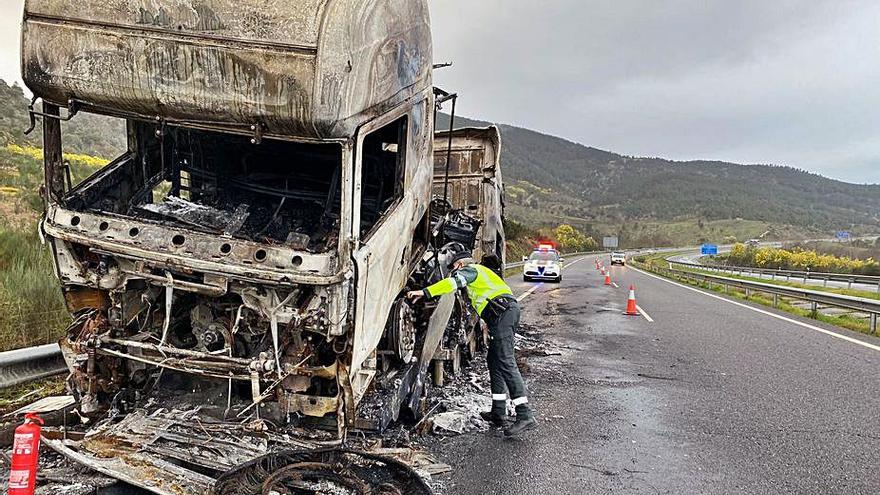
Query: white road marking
[(529, 292), (642, 311), (575, 261), (615, 285), (768, 313)]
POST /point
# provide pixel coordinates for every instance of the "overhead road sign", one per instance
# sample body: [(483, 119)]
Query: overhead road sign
[(709, 249)]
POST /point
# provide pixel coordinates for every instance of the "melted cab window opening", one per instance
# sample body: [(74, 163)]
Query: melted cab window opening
[(383, 169), (276, 192)]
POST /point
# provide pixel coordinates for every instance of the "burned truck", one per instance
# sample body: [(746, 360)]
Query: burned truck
[(467, 179), (270, 209)]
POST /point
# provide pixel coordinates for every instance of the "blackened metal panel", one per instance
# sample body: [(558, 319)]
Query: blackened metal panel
[(311, 69), (170, 76), (290, 23)]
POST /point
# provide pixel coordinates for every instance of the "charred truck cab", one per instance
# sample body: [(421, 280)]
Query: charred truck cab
[(270, 208), (472, 185)]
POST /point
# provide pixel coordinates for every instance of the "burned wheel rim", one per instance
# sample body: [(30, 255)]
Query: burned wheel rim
[(403, 331), (337, 471)]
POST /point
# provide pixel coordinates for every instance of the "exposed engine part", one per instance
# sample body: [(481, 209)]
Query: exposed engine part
[(209, 332), (461, 227), (337, 471), (453, 225), (439, 208)]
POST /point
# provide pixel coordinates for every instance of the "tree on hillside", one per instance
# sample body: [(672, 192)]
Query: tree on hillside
[(570, 239)]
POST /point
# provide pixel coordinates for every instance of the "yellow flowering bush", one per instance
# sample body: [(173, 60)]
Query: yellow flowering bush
[(799, 259), (75, 159)]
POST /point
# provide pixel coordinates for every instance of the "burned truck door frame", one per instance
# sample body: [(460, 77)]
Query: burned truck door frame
[(379, 250)]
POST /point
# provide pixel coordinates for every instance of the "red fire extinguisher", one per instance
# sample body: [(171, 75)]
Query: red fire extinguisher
[(25, 456)]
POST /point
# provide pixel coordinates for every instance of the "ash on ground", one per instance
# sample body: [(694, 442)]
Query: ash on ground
[(455, 408), (57, 475)]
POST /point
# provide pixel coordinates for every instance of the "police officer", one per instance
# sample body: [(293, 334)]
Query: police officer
[(495, 304)]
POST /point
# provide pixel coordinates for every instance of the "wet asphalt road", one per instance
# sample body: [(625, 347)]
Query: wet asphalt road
[(710, 397)]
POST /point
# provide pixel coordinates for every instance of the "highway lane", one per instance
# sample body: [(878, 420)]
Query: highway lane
[(710, 397)]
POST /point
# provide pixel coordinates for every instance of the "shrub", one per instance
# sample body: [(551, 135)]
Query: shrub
[(798, 258), (570, 239)]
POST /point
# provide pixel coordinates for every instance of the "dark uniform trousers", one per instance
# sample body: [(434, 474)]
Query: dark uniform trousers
[(502, 316)]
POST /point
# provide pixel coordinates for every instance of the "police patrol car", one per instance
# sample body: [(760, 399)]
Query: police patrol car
[(543, 264)]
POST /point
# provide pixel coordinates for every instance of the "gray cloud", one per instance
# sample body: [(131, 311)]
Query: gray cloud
[(793, 82), (790, 82)]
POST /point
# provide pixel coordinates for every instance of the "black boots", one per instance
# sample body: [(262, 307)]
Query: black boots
[(521, 425), (525, 421), (494, 418)]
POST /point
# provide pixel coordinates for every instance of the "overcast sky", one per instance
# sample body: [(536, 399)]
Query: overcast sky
[(793, 82)]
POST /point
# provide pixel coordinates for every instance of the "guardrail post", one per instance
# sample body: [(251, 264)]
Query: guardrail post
[(825, 282), (814, 309), (748, 293), (849, 284), (873, 323), (775, 300)]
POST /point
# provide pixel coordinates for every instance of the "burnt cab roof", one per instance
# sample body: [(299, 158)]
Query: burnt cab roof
[(305, 68)]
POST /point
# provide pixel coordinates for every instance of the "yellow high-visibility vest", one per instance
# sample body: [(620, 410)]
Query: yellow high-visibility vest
[(482, 284)]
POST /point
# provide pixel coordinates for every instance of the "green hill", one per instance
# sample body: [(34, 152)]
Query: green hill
[(549, 179)]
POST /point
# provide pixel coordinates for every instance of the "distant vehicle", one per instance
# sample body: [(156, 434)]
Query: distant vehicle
[(753, 243), (543, 264), (618, 258)]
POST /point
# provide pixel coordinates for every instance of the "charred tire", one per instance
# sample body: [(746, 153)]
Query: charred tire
[(402, 331), (344, 471)]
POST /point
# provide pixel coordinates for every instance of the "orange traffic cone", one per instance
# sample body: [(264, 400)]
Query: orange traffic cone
[(631, 308), (607, 278)]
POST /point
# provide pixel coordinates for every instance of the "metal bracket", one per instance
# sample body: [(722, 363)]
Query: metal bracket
[(257, 130), (72, 109)]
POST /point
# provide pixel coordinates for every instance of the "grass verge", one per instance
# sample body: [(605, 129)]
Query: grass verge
[(22, 395), (32, 309)]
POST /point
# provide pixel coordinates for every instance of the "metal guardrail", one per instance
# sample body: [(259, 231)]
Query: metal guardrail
[(31, 363), (790, 274), (815, 297)]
